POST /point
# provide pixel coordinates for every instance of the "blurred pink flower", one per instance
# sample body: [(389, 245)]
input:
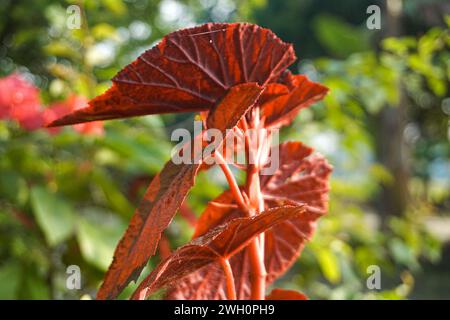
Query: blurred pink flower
[(19, 100)]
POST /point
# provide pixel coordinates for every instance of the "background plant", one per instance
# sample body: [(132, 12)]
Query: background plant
[(342, 129)]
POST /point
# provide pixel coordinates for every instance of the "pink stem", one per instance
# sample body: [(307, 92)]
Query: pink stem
[(231, 290), (253, 188), (232, 182)]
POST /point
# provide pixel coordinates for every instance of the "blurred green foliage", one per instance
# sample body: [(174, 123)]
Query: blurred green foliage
[(66, 199)]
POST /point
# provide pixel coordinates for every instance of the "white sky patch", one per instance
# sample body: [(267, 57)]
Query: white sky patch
[(171, 10), (307, 67), (208, 3), (439, 170), (325, 142), (140, 30), (101, 54), (124, 34), (223, 10), (175, 13)]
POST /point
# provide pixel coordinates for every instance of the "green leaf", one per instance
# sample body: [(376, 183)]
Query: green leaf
[(54, 215), (117, 201), (115, 6), (35, 287), (339, 37), (329, 264), (13, 187), (140, 152), (61, 49), (9, 281), (103, 31), (97, 234), (403, 254)]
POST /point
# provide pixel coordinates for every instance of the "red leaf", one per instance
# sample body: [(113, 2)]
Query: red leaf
[(302, 93), (291, 155), (301, 178), (164, 249), (164, 197), (273, 91), (209, 283), (233, 106), (216, 213), (190, 70), (221, 242), (62, 108), (304, 179), (283, 294)]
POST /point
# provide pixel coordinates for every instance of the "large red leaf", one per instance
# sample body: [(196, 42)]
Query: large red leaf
[(303, 179), (190, 70), (283, 294), (302, 93), (221, 242), (164, 197)]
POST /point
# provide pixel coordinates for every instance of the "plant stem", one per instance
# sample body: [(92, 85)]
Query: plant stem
[(258, 272), (231, 290), (252, 206), (232, 182), (253, 189), (256, 248)]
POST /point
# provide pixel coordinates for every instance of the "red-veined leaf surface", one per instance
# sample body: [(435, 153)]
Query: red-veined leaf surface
[(209, 282), (302, 93), (164, 197), (190, 70), (301, 178), (283, 294), (222, 242), (272, 92)]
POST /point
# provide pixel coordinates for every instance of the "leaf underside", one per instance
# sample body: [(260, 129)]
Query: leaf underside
[(301, 179), (282, 109)]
